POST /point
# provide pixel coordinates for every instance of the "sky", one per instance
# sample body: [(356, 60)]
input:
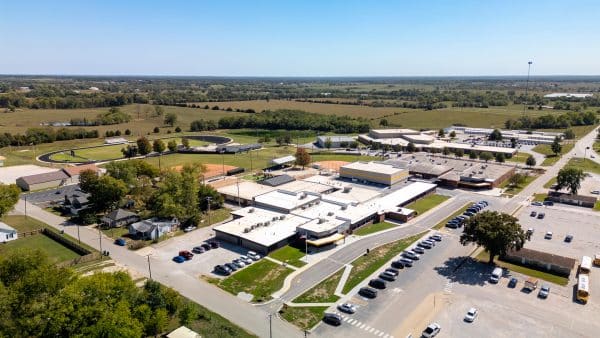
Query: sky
[(300, 38)]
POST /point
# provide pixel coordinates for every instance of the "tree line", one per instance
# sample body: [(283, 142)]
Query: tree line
[(552, 121), (112, 116), (14, 100), (45, 135)]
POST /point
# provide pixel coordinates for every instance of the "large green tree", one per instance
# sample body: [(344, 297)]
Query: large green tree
[(143, 145), (177, 195), (556, 146), (570, 178), (496, 232), (158, 146), (530, 161), (9, 196), (106, 193), (495, 135), (302, 157), (170, 119)]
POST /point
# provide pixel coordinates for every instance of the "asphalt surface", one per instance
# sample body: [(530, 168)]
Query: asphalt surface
[(51, 195)]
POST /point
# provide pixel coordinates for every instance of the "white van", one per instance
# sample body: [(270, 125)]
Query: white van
[(496, 274)]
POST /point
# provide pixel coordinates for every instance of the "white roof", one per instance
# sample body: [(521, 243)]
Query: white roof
[(284, 160), (466, 146), (373, 166), (336, 138), (247, 189), (286, 199), (404, 195), (395, 131), (421, 137), (356, 194), (578, 95), (183, 332), (324, 224), (303, 185), (6, 228)]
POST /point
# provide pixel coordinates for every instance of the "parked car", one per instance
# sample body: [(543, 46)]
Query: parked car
[(378, 283), (393, 271), (333, 319), (186, 254), (418, 250), (539, 204), (513, 283), (239, 263), (214, 244), (178, 259), (569, 238), (541, 215), (452, 225), (595, 192), (411, 255), (205, 246), (368, 292), (530, 231), (544, 291), (407, 262), (222, 270), (246, 260), (198, 250), (548, 235), (120, 242), (190, 228), (533, 214), (436, 238), (468, 213), (253, 255), (347, 308), (387, 276), (548, 203), (432, 243), (432, 330), (231, 266), (397, 265), (471, 315), (425, 245)]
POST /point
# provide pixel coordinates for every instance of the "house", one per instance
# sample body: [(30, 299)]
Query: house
[(7, 233), (77, 202), (74, 171), (51, 179), (183, 332), (153, 228), (542, 261), (119, 217)]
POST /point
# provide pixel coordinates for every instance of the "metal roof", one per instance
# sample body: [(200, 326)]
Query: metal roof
[(278, 180)]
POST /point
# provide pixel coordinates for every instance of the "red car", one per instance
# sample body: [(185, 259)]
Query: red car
[(188, 255)]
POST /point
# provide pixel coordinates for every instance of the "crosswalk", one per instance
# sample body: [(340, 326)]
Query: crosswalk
[(448, 287), (364, 326)]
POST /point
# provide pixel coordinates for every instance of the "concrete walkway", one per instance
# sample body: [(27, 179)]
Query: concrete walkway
[(309, 304), (340, 286), (280, 263)]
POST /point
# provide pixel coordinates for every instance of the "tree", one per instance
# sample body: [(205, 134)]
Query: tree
[(441, 132), (143, 145), (279, 140), (9, 196), (178, 129), (496, 232), (106, 193), (156, 130), (302, 157), (410, 147), (187, 314), (216, 199), (127, 132), (459, 153), (185, 142), (530, 161), (328, 143), (570, 178), (452, 134), (170, 119), (569, 134), (129, 151), (87, 179), (485, 156), (517, 179), (500, 157), (556, 146), (172, 145), (158, 110), (158, 145), (446, 151), (472, 154), (383, 122), (287, 138), (495, 135)]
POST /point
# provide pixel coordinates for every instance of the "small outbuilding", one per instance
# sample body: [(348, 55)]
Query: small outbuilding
[(153, 228), (7, 233)]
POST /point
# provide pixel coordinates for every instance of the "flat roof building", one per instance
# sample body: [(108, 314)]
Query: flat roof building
[(337, 141), (51, 179), (373, 172), (285, 201)]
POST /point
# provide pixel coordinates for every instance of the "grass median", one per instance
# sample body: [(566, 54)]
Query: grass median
[(456, 213), (365, 265), (428, 202), (260, 279), (374, 227), (322, 292), (484, 257), (289, 255), (304, 317)]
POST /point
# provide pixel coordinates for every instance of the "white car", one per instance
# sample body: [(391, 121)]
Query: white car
[(347, 307), (471, 315), (596, 192), (432, 330), (246, 260), (253, 255)]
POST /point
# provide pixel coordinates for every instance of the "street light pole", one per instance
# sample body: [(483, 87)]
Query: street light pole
[(527, 85), (78, 236), (25, 205), (149, 269), (238, 193), (270, 325), (100, 239), (208, 198)]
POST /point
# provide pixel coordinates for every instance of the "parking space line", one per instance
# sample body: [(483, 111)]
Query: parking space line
[(362, 326), (380, 334), (376, 332), (372, 329), (367, 328), (386, 335)]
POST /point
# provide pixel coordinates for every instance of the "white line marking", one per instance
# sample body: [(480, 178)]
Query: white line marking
[(376, 332), (367, 328), (372, 329), (345, 319), (362, 326), (380, 334)]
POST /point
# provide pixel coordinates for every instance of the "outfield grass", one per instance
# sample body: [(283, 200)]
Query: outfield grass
[(260, 279), (289, 255), (22, 223), (303, 317), (424, 204), (374, 227), (55, 251), (365, 265), (484, 257), (322, 292), (456, 213)]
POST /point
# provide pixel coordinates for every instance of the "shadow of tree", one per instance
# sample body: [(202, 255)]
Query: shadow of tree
[(465, 270)]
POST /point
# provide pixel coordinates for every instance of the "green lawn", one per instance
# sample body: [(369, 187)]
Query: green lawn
[(290, 255), (260, 279), (89, 154), (216, 216), (586, 165), (550, 159), (539, 197), (484, 258), (22, 223), (426, 203), (520, 157), (597, 206), (597, 146), (303, 317), (365, 265), (513, 190), (456, 213), (116, 232), (375, 227), (550, 183), (55, 251), (322, 292)]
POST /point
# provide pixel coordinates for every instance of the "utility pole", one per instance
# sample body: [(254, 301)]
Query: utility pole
[(270, 325), (25, 195), (223, 163), (100, 239), (149, 269), (78, 236), (238, 193), (208, 198), (527, 86)]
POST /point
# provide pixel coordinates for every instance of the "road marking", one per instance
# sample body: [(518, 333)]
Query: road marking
[(397, 290), (380, 334), (362, 326), (376, 332), (352, 321), (386, 335), (372, 329), (367, 328), (345, 319), (448, 287)]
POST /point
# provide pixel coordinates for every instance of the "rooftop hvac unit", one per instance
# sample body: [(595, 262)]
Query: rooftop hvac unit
[(282, 217), (330, 213), (344, 207), (317, 202), (267, 223), (246, 230), (302, 196), (322, 220), (347, 189), (259, 224), (254, 226)]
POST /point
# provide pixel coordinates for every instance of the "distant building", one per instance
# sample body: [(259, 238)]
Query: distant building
[(115, 140), (48, 180), (568, 95), (153, 228), (74, 171), (336, 141), (282, 161), (7, 233), (2, 159)]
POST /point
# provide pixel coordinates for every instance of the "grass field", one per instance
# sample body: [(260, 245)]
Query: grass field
[(365, 265), (260, 279), (22, 223), (426, 203), (539, 197), (520, 157), (512, 189), (322, 292), (550, 159), (456, 213), (304, 317), (372, 228), (290, 255), (586, 165), (55, 251), (484, 258)]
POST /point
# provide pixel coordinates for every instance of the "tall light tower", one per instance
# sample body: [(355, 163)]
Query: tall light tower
[(527, 84)]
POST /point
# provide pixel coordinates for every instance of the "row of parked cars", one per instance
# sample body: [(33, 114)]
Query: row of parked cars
[(238, 263), (185, 255), (458, 221), (390, 274)]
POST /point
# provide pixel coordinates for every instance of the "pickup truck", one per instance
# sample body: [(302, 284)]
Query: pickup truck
[(531, 284)]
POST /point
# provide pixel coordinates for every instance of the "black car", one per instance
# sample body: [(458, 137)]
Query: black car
[(198, 250), (407, 262), (205, 246), (378, 283), (513, 282), (222, 270), (231, 266), (333, 319), (214, 244), (387, 276), (367, 292), (549, 203), (541, 215), (393, 271), (569, 238), (397, 265)]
